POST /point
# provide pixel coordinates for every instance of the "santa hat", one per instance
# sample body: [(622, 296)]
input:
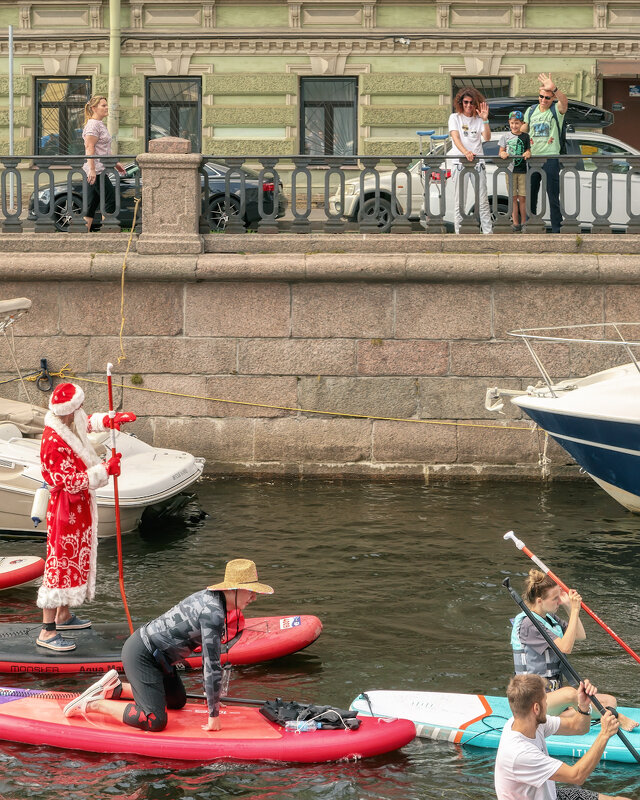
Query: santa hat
[(66, 399)]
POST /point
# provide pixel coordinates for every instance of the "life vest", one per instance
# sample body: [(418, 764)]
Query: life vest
[(528, 660)]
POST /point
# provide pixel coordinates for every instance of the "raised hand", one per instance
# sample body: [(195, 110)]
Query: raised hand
[(546, 82), (484, 111)]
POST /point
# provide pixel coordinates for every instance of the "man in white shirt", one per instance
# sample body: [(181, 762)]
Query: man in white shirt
[(524, 769)]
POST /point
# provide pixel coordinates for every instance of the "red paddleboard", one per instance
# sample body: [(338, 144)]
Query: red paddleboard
[(19, 570), (98, 648), (33, 717)]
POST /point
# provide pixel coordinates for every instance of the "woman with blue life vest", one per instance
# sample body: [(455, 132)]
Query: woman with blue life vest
[(531, 651)]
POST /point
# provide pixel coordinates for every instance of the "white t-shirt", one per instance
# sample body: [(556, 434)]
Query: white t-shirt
[(524, 766), (470, 130)]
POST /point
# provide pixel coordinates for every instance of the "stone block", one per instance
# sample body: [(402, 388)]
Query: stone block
[(296, 357), (21, 146), (214, 146), (251, 83), (143, 267), (164, 395), (134, 115), (42, 318), (259, 266), (130, 147), (45, 267), (389, 147), (238, 309), (22, 84), (405, 115), (571, 268), (349, 310), (451, 267), (101, 85), (528, 84), (506, 359), (353, 266), (441, 311), (463, 398), (619, 268), (301, 439), (393, 357), (376, 397), (622, 304), (162, 244), (58, 350), (407, 83), (480, 443), (249, 394), (545, 305), (166, 354), (21, 116), (170, 198), (586, 359), (94, 309), (170, 144), (265, 116), (216, 440), (411, 442), (132, 85)]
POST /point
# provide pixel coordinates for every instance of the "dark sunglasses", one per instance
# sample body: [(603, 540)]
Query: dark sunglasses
[(468, 102), (544, 97)]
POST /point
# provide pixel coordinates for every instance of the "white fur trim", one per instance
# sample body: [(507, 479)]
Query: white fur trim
[(53, 598), (98, 476), (97, 423), (86, 453), (93, 561), (62, 409)]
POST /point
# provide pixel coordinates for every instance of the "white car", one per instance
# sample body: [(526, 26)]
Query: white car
[(581, 144)]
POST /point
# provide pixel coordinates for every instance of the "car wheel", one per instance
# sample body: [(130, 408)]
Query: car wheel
[(62, 215), (384, 216), (218, 217)]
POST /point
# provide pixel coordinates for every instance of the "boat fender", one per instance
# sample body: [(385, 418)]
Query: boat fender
[(40, 504), (327, 717)]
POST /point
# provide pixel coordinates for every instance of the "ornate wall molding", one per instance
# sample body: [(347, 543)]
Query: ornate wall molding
[(307, 13)]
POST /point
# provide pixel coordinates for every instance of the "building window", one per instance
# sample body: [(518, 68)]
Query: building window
[(174, 108), (60, 106), (328, 116), (489, 87)]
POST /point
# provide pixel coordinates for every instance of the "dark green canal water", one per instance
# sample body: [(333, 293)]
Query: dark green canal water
[(407, 581)]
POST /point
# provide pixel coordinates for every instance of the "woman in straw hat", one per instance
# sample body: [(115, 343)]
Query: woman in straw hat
[(150, 654)]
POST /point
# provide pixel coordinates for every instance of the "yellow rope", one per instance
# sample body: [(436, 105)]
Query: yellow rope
[(311, 410), (136, 203)]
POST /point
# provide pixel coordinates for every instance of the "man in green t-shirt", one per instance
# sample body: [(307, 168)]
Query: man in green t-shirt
[(544, 129)]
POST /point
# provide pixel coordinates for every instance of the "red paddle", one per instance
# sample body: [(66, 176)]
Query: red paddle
[(112, 414), (521, 546)]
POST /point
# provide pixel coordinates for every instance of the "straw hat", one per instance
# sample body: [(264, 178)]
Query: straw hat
[(241, 573)]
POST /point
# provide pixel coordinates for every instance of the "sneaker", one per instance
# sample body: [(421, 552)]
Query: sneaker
[(100, 690), (73, 624), (516, 228), (57, 643)]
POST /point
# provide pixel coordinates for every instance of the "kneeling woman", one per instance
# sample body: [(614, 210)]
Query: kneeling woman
[(531, 651), (150, 654)]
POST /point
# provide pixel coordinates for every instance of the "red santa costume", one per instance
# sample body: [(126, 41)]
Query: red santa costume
[(73, 472)]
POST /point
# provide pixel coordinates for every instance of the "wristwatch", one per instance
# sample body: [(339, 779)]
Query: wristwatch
[(555, 89)]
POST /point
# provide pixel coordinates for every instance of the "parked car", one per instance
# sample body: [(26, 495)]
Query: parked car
[(579, 114), (218, 217), (584, 144)]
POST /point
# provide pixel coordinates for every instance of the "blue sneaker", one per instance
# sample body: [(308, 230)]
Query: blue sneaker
[(73, 624)]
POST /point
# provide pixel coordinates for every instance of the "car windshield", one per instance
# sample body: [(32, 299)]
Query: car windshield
[(222, 169)]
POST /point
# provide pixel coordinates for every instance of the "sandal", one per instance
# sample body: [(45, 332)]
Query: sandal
[(100, 690), (57, 643), (73, 624)]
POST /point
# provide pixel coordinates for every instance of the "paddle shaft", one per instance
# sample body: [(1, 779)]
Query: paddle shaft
[(117, 502), (239, 701), (565, 661), (522, 546)]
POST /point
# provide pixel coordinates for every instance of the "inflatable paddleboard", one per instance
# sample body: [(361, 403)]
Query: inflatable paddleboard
[(19, 570), (477, 720), (34, 717), (98, 648)]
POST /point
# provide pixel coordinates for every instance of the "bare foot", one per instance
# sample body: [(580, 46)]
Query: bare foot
[(626, 723)]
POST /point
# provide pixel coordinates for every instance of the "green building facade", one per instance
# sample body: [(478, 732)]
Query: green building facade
[(289, 77)]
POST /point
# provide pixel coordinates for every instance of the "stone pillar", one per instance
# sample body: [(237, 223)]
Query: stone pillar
[(171, 198)]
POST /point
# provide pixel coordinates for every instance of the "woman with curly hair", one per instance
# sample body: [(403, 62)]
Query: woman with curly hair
[(468, 128), (531, 651)]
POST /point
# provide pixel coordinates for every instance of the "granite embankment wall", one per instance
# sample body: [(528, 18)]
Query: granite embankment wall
[(373, 326)]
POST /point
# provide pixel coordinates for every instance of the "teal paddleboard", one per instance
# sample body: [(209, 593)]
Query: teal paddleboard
[(477, 720)]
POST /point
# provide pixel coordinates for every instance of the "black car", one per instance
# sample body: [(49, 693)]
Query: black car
[(130, 185), (579, 114)]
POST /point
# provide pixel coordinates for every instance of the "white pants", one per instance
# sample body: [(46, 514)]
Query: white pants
[(485, 211)]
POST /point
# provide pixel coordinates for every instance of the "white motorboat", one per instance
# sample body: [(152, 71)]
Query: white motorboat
[(153, 479), (596, 418)]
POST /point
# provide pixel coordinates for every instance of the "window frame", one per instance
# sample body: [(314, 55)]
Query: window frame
[(328, 128), (148, 103), (39, 105), (475, 81)]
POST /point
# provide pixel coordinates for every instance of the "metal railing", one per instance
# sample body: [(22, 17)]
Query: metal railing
[(366, 194)]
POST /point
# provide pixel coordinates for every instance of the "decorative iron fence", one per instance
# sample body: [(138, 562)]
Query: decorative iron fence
[(366, 194)]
